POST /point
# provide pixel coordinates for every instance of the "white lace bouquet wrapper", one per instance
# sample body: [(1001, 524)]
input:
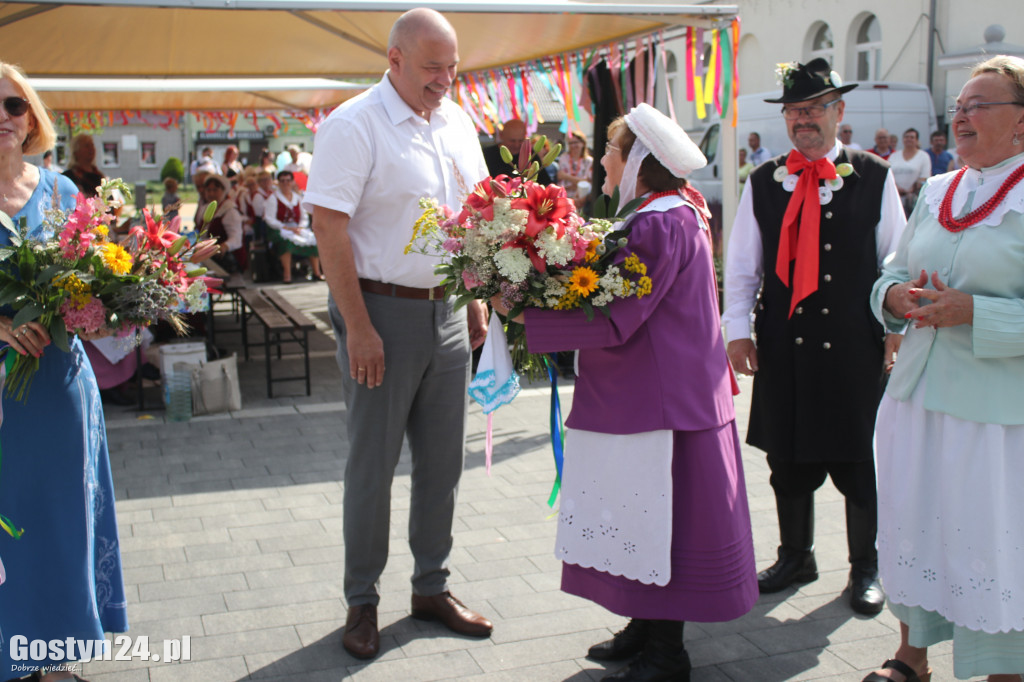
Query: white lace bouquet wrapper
[(496, 382)]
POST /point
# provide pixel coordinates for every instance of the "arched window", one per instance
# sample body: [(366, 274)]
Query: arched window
[(869, 48), (671, 80), (820, 43)]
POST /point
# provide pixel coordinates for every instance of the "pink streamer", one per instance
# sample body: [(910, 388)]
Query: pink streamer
[(664, 68), (489, 442)]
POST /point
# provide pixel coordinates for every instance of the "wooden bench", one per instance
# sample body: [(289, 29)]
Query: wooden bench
[(282, 323)]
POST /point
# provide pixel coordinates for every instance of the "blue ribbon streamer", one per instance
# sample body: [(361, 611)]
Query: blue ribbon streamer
[(557, 432)]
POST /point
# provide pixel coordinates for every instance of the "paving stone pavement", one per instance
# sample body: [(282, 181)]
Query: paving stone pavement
[(231, 535)]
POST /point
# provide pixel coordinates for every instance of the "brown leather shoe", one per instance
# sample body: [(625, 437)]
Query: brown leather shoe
[(452, 613), (361, 638)]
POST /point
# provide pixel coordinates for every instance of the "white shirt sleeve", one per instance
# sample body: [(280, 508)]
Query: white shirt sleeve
[(270, 213), (891, 219), (303, 216), (339, 173), (744, 268), (232, 222)]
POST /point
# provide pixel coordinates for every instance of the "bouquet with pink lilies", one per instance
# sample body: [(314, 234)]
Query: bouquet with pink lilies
[(526, 242), (74, 278)]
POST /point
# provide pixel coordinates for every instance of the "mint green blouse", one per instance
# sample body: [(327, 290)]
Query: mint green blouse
[(973, 372)]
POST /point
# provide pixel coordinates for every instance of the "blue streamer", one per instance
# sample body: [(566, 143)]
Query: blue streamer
[(557, 432)]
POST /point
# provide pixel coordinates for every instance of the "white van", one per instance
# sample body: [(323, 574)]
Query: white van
[(872, 105)]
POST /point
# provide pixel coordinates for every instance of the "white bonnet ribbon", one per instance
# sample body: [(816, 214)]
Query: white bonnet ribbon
[(627, 186)]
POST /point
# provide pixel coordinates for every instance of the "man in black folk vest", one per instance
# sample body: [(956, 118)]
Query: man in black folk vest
[(812, 229)]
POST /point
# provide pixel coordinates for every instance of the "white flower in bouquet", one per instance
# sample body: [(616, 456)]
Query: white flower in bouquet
[(513, 264)]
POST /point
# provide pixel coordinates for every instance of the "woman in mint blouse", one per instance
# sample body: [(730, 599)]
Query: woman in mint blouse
[(950, 429)]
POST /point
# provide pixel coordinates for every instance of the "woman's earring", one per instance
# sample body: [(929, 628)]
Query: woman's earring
[(1016, 139)]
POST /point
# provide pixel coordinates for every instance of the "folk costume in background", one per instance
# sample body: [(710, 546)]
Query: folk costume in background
[(819, 351), (281, 213), (950, 428), (654, 522)]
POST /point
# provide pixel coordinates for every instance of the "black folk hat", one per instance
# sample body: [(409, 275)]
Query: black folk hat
[(802, 82)]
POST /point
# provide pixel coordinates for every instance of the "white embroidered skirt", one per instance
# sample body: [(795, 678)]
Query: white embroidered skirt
[(951, 515)]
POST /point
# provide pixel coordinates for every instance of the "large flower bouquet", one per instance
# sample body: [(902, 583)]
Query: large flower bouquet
[(73, 278), (526, 242)]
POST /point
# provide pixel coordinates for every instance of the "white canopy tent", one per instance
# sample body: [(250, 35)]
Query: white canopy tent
[(331, 39), (321, 38)]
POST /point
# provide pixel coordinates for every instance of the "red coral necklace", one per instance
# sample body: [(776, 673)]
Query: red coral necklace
[(658, 195), (977, 215)]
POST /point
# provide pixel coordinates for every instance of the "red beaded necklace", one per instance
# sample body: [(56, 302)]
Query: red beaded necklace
[(658, 195), (977, 215)]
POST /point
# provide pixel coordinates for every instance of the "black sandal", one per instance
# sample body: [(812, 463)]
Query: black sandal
[(903, 669)]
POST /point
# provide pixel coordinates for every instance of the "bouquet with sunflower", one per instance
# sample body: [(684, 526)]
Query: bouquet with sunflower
[(526, 242), (74, 279)]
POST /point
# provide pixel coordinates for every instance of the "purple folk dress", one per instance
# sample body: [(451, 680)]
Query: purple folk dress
[(660, 363)]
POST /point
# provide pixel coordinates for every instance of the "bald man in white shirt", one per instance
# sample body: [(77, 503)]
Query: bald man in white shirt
[(402, 347)]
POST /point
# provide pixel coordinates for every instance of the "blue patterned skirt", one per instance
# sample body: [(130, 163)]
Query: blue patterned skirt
[(64, 574)]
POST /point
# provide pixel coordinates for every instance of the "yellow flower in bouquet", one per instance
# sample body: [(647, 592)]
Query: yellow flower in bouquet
[(583, 281), (116, 258)]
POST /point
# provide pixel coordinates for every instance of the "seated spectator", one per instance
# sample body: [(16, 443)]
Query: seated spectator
[(745, 166), (846, 136), (83, 171), (882, 147), (758, 154), (289, 227), (170, 202), (512, 135), (940, 158), (231, 166), (910, 168), (48, 162), (226, 225), (575, 165)]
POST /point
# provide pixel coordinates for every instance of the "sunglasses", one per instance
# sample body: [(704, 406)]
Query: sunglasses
[(15, 106)]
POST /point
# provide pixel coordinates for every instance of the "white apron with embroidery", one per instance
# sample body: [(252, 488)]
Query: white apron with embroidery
[(616, 509)]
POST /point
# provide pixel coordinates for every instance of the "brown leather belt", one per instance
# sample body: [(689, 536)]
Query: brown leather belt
[(398, 291)]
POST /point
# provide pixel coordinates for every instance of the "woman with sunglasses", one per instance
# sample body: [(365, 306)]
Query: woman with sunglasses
[(950, 428), (62, 576)]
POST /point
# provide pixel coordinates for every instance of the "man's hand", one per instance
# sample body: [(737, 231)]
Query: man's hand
[(476, 316), (892, 348), (365, 356), (743, 356), (365, 348)]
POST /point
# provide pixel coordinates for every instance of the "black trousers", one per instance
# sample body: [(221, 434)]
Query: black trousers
[(855, 480)]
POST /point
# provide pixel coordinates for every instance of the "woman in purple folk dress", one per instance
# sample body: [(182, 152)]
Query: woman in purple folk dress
[(653, 523)]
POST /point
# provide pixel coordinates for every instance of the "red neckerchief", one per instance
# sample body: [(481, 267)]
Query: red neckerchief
[(798, 240)]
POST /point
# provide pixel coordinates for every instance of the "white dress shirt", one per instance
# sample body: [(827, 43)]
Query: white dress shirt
[(744, 263), (374, 159)]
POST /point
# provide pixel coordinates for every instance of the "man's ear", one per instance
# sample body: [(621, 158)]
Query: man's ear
[(394, 58)]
